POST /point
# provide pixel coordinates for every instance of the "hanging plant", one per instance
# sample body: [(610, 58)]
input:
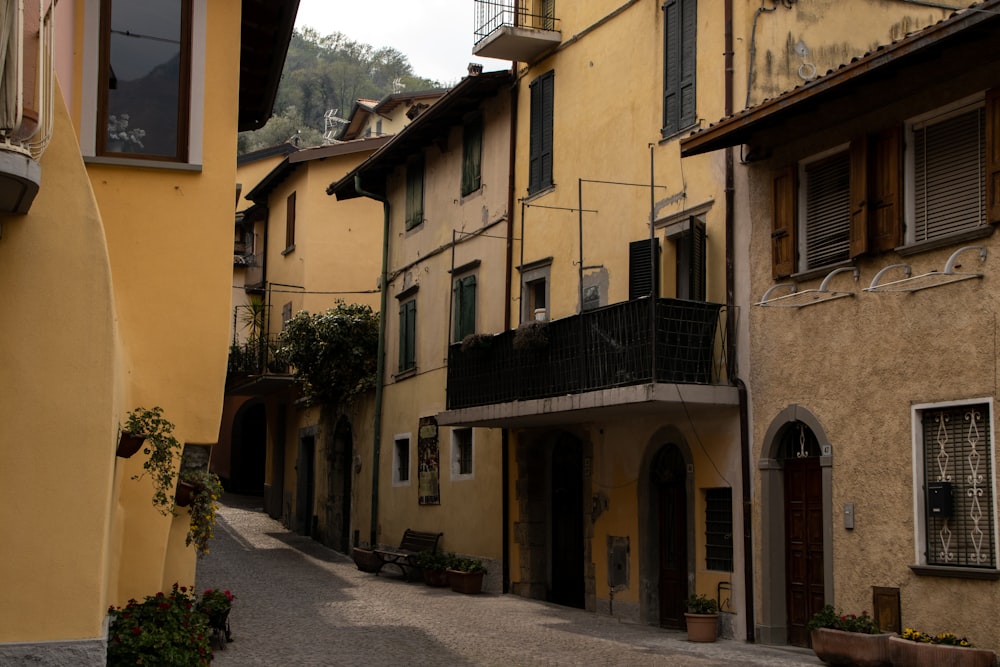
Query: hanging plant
[(202, 506), (531, 335), (160, 446)]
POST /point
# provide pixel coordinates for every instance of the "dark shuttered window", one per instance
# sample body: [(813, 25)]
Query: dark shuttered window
[(679, 66), (472, 155), (414, 192), (465, 307), (540, 157), (643, 268), (407, 335), (691, 262)]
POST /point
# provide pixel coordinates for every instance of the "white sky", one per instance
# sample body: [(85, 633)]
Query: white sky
[(435, 35)]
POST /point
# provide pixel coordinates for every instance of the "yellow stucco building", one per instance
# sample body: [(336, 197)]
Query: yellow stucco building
[(118, 279)]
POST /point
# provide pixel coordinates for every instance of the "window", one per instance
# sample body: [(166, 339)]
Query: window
[(144, 86), (465, 307), (401, 460), (954, 450), (644, 268), (826, 200), (472, 154), (690, 265), (414, 192), (540, 158), (719, 529), (947, 166), (289, 224), (461, 453), (535, 290), (680, 27), (407, 335)]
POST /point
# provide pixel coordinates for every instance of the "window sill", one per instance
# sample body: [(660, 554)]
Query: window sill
[(819, 271), (288, 250), (945, 241), (408, 373), (539, 193), (145, 164), (666, 136), (955, 572)]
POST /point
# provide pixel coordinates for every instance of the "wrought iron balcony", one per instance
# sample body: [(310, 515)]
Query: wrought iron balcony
[(614, 346), (515, 29), (256, 357)]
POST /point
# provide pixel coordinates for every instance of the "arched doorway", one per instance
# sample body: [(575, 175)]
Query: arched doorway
[(669, 487), (803, 488), (566, 568), (248, 450), (796, 469)]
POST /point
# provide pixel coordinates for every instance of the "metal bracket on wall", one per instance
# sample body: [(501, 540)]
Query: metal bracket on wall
[(809, 297), (927, 280)]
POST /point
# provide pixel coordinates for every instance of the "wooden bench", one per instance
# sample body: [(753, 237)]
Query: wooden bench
[(413, 543)]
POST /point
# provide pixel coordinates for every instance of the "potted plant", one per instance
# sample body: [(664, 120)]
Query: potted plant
[(465, 575), (531, 335), (702, 619), (161, 446), (946, 649), (434, 567), (848, 639), (205, 489), (216, 605), (165, 624), (476, 341)]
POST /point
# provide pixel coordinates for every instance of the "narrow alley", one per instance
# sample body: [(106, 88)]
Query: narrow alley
[(300, 603)]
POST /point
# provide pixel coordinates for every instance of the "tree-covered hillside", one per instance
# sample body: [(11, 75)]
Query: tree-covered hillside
[(329, 73)]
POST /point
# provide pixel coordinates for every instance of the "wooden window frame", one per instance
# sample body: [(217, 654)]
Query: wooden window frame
[(183, 119)]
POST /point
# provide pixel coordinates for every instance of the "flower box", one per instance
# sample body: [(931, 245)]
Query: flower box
[(436, 578), (465, 582), (907, 653), (839, 647)]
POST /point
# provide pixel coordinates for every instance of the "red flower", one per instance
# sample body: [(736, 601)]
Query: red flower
[(137, 631)]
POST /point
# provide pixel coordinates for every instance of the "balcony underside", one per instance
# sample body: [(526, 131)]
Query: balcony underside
[(629, 402), (20, 177), (517, 43)]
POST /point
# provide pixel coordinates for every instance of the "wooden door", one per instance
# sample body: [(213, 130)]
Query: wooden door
[(804, 586), (670, 480)]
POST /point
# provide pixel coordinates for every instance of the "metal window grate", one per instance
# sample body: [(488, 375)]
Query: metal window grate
[(958, 465), (719, 529)]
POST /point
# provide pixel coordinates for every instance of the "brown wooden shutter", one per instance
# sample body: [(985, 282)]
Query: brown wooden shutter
[(783, 223), (859, 197), (993, 155), (885, 215)]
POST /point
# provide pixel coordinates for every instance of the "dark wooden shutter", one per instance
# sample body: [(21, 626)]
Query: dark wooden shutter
[(465, 307), (859, 197), (472, 152), (689, 29), (783, 223), (290, 221), (993, 156), (407, 334), (885, 207), (643, 268), (415, 192), (696, 238), (542, 117), (680, 27)]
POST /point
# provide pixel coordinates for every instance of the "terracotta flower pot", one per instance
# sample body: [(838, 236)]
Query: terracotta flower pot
[(465, 582), (185, 494), (906, 653), (837, 647), (129, 444), (436, 578), (702, 627)]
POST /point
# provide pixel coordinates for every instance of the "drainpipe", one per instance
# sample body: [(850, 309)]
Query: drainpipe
[(731, 337), (505, 433), (380, 362)]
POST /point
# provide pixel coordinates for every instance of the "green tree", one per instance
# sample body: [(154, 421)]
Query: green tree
[(333, 353)]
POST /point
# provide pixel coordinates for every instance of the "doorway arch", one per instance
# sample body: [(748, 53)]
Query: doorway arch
[(796, 451)]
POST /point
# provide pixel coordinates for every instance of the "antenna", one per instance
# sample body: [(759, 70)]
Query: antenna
[(332, 124), (397, 85)]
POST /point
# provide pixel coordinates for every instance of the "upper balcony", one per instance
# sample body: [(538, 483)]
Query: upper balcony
[(518, 30), (623, 355), (26, 85)]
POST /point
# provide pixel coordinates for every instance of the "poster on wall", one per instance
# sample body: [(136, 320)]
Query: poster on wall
[(429, 462)]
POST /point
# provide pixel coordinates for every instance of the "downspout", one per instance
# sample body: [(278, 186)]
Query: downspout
[(380, 362), (505, 433), (731, 361)]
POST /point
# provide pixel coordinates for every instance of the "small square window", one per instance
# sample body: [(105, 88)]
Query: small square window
[(461, 453)]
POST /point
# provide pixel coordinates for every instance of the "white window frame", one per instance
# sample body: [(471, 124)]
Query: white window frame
[(456, 454), (801, 204), (90, 82), (397, 440), (938, 115), (919, 493)]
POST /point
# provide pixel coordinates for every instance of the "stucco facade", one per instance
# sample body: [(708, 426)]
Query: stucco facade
[(121, 266)]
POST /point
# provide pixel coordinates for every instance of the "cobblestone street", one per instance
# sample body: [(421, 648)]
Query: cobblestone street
[(300, 603)]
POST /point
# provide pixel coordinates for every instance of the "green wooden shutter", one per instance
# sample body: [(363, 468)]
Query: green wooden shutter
[(465, 307), (407, 334), (415, 193), (472, 155), (541, 139), (680, 27)]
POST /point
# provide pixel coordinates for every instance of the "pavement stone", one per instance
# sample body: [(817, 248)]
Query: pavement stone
[(302, 604)]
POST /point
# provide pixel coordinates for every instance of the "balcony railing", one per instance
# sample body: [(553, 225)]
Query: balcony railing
[(610, 347), (256, 357), (515, 29)]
